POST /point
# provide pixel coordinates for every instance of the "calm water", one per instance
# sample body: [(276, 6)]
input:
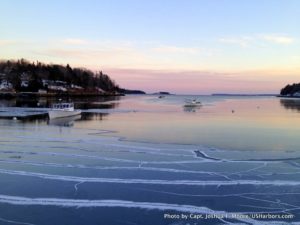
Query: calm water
[(145, 160)]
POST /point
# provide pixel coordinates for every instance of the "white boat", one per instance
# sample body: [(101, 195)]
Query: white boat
[(60, 110), (64, 121), (192, 103)]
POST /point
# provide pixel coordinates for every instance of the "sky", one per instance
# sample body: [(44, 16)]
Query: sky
[(180, 46)]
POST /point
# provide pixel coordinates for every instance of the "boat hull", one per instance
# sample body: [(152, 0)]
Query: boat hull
[(60, 113), (192, 105)]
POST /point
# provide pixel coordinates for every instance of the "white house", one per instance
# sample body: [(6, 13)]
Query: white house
[(5, 85), (24, 80), (296, 94), (57, 88)]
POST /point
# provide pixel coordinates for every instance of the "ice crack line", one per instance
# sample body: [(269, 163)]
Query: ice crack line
[(151, 181)]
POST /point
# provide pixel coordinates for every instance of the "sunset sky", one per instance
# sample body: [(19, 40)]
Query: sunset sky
[(181, 46)]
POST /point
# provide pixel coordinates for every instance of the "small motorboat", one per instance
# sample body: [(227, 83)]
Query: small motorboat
[(60, 110), (192, 103)]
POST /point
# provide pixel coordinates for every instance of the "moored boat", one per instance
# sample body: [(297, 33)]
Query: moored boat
[(192, 103), (60, 110)]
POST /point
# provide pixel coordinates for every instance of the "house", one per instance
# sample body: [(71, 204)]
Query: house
[(6, 85), (55, 85), (56, 88), (296, 94), (100, 90), (73, 86), (2, 76), (24, 79), (42, 91)]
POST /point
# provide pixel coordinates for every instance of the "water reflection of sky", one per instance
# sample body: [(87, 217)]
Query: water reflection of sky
[(75, 170), (249, 123), (241, 123)]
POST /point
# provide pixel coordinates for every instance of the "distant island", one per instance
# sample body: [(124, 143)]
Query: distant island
[(162, 93), (290, 90), (24, 77)]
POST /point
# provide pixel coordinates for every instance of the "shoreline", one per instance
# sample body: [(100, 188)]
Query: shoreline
[(10, 95), (285, 96)]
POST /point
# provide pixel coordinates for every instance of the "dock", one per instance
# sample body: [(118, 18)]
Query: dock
[(23, 113)]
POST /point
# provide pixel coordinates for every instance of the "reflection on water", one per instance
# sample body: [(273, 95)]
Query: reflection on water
[(291, 104), (191, 108), (29, 102), (96, 105), (258, 123), (93, 116), (245, 162), (82, 103), (64, 121), (69, 121)]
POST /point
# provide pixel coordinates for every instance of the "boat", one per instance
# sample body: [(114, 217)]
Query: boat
[(60, 110), (192, 103)]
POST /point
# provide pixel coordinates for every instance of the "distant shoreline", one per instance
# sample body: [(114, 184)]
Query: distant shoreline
[(216, 94)]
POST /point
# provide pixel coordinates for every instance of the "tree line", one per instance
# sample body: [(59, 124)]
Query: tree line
[(13, 70), (290, 89)]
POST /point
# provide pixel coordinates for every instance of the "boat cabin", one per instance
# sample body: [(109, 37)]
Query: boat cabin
[(63, 105)]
